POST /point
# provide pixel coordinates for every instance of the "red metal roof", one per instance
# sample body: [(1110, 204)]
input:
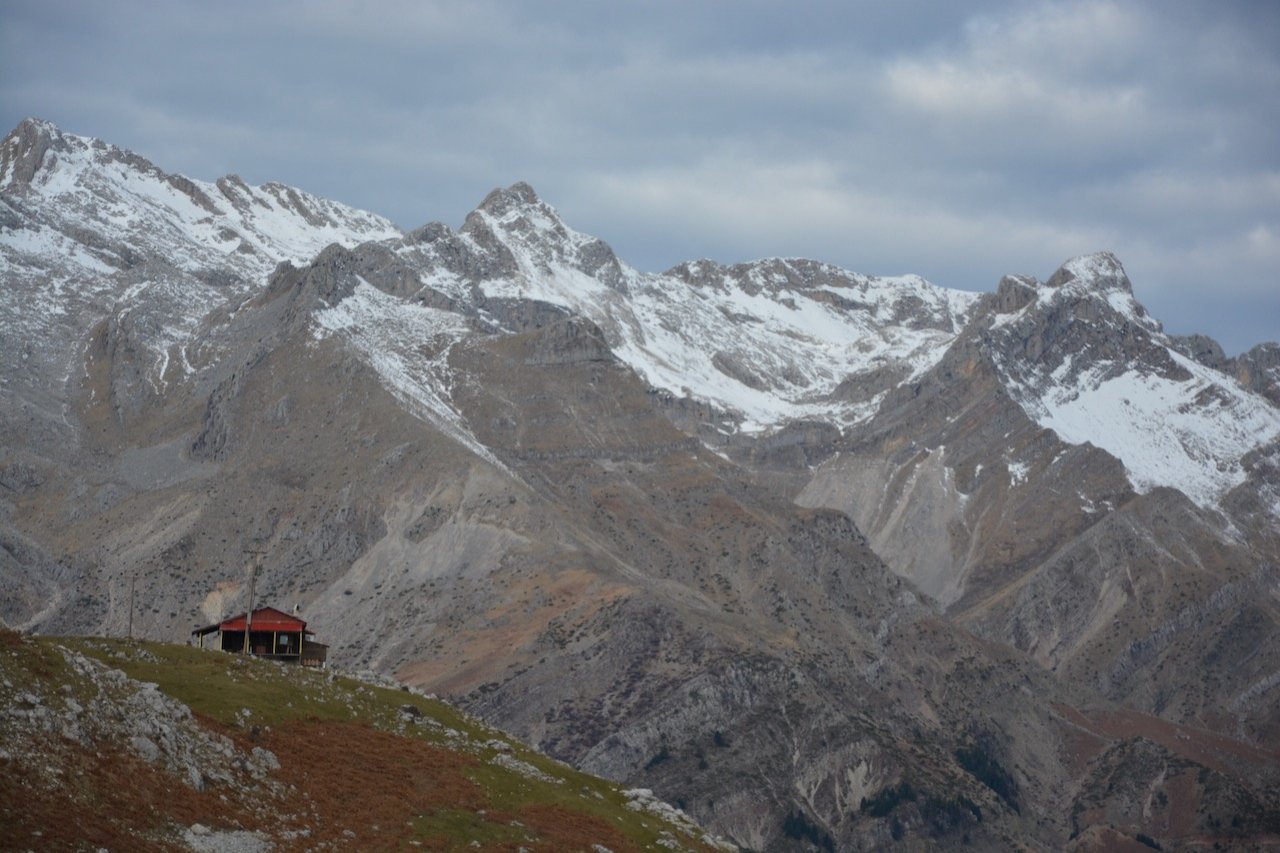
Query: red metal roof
[(265, 619)]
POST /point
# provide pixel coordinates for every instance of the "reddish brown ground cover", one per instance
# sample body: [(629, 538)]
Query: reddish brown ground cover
[(102, 797)]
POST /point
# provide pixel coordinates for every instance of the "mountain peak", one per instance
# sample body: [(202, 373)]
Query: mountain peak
[(37, 149), (501, 202), (1100, 270), (31, 125), (23, 149), (516, 210), (532, 232)]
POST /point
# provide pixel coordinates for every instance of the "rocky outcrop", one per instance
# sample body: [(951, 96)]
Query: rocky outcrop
[(570, 341), (1259, 370), (1201, 348), (23, 152), (106, 707), (1014, 293)]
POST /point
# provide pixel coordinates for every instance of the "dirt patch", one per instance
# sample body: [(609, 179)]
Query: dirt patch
[(359, 788), (1217, 751), (563, 829), (1208, 748)]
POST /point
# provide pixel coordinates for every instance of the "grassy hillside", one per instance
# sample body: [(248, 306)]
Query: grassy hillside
[(145, 746)]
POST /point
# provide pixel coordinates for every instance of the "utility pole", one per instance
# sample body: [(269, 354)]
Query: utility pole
[(254, 565), (133, 582)]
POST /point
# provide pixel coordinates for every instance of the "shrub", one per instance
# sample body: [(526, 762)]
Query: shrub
[(801, 828), (988, 771), (888, 799), (663, 756)]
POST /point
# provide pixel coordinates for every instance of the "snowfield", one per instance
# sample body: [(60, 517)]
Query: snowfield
[(1185, 432), (1189, 435)]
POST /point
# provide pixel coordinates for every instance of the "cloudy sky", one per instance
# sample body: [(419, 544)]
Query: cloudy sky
[(957, 141)]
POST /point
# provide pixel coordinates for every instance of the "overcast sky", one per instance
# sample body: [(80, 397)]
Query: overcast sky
[(957, 141)]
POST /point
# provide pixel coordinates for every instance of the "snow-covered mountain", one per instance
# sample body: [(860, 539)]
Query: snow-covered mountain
[(1083, 358), (93, 208), (623, 513), (764, 343), (768, 342), (780, 340), (88, 229)]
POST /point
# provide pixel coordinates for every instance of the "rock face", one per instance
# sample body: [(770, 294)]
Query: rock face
[(821, 557), (1259, 370)]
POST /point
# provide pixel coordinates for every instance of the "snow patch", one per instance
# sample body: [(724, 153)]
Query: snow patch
[(408, 346), (1188, 434), (769, 357)]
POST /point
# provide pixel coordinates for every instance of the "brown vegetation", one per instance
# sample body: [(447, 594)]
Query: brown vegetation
[(103, 797)]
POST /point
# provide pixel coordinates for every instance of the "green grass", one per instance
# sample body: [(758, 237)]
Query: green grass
[(28, 666), (459, 824), (511, 792), (240, 693), (221, 686)]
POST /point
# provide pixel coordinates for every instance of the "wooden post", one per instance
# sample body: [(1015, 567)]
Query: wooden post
[(302, 637), (254, 565), (133, 582)]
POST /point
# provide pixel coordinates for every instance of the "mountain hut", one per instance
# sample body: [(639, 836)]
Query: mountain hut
[(272, 634)]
